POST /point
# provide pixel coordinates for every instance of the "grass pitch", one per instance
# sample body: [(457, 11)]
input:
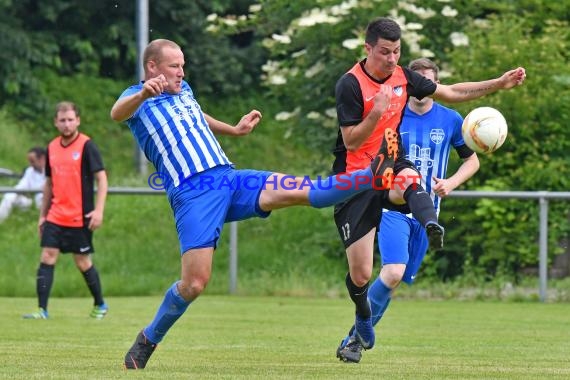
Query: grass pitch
[(225, 337)]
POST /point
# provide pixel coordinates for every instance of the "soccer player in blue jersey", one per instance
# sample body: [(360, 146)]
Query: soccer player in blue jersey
[(203, 187), (428, 132)]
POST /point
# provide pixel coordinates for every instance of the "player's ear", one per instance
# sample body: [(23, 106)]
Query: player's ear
[(151, 65)]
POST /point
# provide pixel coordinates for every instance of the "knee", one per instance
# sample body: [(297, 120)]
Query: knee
[(360, 277), (192, 288), (49, 257), (83, 265), (392, 275), (403, 180)]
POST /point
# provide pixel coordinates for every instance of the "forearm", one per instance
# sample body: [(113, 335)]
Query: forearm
[(219, 127), (125, 107), (473, 90), (461, 92), (356, 135), (102, 189), (467, 169), (46, 200)]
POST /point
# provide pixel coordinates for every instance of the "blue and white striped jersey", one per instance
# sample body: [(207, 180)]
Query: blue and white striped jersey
[(427, 141), (174, 135)]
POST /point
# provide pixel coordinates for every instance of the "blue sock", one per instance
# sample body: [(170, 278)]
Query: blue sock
[(379, 296), (172, 307), (335, 189)]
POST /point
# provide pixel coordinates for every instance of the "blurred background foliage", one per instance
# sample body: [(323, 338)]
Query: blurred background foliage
[(284, 58)]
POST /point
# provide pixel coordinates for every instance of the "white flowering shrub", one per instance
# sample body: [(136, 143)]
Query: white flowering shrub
[(310, 44)]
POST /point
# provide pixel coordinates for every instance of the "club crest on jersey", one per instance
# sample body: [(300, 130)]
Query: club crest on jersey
[(398, 90), (75, 156), (437, 135)]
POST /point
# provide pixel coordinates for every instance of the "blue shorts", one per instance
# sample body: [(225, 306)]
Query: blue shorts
[(402, 240), (205, 201)]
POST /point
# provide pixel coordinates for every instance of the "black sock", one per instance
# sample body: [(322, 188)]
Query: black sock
[(359, 295), (420, 204), (44, 281), (94, 284)]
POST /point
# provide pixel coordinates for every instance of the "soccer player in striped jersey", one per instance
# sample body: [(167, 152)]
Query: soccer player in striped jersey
[(428, 132), (370, 100), (203, 187)]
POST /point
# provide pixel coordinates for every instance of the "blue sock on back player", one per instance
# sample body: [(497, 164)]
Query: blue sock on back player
[(379, 296)]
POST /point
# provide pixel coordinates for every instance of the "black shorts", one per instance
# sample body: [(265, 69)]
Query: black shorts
[(67, 239), (355, 217)]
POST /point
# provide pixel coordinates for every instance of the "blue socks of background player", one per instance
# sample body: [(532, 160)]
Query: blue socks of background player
[(172, 307), (379, 296), (335, 189)]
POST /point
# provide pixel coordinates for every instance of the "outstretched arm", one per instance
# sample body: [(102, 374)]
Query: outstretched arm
[(125, 107), (469, 167), (461, 92), (246, 124)]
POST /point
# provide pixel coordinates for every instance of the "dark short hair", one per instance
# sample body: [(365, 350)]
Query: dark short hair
[(38, 151), (66, 106), (424, 64), (382, 27)]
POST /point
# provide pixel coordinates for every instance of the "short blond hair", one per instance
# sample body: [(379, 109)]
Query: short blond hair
[(153, 51)]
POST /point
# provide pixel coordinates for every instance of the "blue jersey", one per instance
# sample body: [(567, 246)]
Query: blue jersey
[(427, 141), (173, 133)]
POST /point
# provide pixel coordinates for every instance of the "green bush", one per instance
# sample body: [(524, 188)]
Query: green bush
[(500, 237)]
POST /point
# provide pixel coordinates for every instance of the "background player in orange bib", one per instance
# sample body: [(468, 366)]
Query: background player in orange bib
[(68, 214)]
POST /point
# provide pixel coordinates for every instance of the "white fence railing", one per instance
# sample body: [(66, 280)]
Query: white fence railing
[(543, 198)]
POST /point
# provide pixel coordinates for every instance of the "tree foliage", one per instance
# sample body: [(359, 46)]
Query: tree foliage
[(98, 39), (293, 52), (503, 234), (312, 43)]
